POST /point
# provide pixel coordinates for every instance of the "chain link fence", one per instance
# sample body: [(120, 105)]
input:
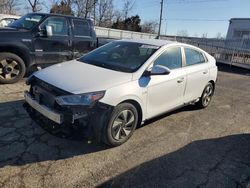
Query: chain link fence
[(233, 52)]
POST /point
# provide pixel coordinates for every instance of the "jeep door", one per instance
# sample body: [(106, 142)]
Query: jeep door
[(55, 48), (82, 37), (166, 92)]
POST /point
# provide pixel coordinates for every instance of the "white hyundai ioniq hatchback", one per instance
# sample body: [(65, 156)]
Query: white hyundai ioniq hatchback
[(113, 89)]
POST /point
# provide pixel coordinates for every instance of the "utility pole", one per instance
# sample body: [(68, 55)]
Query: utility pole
[(96, 1), (159, 31)]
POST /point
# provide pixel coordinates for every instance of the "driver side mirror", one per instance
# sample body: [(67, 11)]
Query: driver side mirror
[(157, 70), (49, 31), (46, 31)]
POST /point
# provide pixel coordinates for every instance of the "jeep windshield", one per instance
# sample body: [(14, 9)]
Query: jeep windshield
[(27, 22), (121, 56)]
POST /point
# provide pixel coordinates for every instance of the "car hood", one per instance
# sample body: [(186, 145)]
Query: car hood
[(10, 29), (7, 32), (77, 77)]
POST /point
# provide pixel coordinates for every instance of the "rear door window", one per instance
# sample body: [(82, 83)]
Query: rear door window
[(81, 28)]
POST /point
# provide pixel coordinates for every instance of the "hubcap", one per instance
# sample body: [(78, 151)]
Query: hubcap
[(9, 69), (207, 95), (123, 125)]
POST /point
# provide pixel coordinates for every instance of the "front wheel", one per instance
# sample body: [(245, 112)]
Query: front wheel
[(12, 68), (121, 125), (206, 96)]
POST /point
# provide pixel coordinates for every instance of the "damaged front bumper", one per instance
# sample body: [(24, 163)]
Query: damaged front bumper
[(89, 121), (47, 112)]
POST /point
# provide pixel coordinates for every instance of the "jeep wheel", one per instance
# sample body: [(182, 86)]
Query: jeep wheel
[(12, 68)]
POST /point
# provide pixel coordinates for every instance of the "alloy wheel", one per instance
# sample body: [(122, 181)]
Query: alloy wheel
[(123, 125), (9, 69), (207, 95)]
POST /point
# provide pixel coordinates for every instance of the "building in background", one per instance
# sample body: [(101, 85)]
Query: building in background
[(239, 28)]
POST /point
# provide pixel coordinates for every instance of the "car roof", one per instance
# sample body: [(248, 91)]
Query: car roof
[(154, 42)]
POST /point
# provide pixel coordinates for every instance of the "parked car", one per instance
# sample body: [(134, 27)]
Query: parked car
[(6, 19), (115, 88), (37, 39)]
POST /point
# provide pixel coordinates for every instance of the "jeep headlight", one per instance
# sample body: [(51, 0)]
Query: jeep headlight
[(86, 99)]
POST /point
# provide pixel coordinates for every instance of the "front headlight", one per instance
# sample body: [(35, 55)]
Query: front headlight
[(86, 99)]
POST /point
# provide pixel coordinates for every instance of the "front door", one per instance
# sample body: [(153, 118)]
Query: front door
[(55, 48), (166, 92)]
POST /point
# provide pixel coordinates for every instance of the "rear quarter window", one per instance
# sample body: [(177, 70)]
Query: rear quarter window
[(193, 57)]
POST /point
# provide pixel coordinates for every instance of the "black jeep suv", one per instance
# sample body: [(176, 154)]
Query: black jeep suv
[(37, 39)]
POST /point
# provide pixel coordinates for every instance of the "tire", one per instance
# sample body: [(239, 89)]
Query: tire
[(12, 68), (206, 96), (122, 124)]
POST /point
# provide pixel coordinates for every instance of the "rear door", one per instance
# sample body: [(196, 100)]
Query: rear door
[(166, 92), (56, 48), (82, 37), (197, 70)]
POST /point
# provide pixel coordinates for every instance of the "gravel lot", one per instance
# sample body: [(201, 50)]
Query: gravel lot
[(186, 148)]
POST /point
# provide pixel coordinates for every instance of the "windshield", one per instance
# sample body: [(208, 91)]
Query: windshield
[(120, 56), (27, 22)]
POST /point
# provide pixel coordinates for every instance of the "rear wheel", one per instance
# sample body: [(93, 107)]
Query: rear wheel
[(206, 96), (121, 125), (12, 68)]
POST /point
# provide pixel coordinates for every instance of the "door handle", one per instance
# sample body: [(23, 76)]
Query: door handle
[(205, 72), (69, 43), (180, 80)]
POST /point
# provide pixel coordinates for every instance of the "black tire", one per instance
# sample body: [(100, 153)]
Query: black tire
[(115, 133), (206, 96), (12, 68)]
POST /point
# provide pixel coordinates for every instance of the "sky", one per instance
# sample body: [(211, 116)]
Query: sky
[(197, 17)]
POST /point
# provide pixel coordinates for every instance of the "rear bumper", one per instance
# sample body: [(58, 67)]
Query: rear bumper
[(87, 121)]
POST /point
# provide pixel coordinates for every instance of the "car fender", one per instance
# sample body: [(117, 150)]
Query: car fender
[(128, 91), (19, 49)]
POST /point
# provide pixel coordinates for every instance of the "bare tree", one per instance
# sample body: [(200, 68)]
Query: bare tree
[(149, 27), (61, 8), (84, 8), (127, 7), (105, 13), (218, 35), (182, 33), (8, 6), (53, 3), (36, 5), (204, 35)]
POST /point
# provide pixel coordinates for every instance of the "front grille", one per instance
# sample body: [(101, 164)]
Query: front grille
[(48, 87), (45, 93)]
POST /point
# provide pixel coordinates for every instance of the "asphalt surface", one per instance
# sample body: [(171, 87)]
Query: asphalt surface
[(185, 148)]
